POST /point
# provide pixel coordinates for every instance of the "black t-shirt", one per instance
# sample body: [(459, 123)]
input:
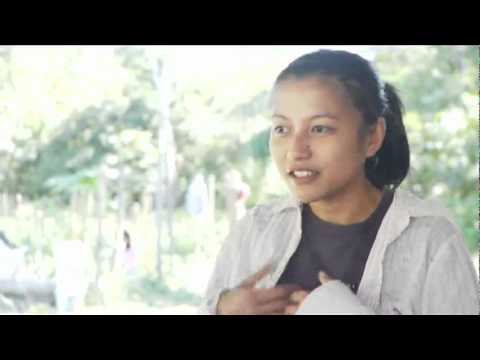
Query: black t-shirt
[(339, 250)]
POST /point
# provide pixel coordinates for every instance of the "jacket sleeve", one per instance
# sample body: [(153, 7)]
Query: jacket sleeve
[(333, 298), (451, 284), (227, 259)]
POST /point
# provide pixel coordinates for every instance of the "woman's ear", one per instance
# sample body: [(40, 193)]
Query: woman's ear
[(376, 136)]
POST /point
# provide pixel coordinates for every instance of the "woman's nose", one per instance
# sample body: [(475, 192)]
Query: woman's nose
[(300, 148)]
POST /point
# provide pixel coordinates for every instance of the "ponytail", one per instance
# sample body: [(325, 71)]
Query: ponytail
[(390, 164)]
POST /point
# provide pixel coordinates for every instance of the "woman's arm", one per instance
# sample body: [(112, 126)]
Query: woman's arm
[(227, 259), (451, 284)]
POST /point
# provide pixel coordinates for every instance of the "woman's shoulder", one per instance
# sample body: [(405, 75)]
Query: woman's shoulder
[(275, 207), (272, 216), (430, 209), (430, 221), (264, 214)]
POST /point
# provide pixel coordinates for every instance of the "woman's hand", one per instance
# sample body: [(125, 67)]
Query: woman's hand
[(247, 300)]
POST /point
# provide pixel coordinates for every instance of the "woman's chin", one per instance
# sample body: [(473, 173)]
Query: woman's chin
[(306, 197)]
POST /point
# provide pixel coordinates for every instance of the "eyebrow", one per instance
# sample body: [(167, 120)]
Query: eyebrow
[(315, 116)]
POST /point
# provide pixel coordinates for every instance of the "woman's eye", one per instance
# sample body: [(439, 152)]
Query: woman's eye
[(280, 130), (320, 129)]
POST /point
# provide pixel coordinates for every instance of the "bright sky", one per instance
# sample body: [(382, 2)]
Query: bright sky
[(188, 59)]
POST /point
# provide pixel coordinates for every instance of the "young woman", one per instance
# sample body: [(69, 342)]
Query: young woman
[(348, 241)]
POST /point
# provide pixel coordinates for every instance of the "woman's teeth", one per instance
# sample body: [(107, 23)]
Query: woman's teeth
[(303, 173)]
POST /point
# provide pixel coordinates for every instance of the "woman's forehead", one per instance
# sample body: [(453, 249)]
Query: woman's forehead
[(315, 92)]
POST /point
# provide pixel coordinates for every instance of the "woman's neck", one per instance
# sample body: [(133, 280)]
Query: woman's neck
[(349, 207)]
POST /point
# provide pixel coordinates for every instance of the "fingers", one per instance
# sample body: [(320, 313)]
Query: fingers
[(291, 287), (291, 309), (253, 279), (298, 296), (276, 293), (324, 277), (277, 306)]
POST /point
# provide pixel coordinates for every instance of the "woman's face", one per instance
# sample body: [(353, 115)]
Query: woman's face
[(314, 140)]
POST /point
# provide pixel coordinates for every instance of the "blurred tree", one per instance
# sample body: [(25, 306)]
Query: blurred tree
[(439, 86), (49, 80)]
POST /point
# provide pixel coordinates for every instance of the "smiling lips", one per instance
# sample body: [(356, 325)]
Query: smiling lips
[(303, 176)]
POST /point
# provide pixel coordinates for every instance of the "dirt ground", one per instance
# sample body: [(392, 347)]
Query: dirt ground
[(132, 308)]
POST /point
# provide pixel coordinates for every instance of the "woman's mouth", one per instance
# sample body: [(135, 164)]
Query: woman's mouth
[(301, 177)]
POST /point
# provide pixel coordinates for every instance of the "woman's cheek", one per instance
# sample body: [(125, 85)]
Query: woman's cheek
[(276, 150)]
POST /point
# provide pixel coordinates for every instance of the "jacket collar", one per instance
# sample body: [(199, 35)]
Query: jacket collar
[(406, 205)]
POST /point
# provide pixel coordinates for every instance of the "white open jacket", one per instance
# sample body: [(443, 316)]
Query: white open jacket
[(418, 264)]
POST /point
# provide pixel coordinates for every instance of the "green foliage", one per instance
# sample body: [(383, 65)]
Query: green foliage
[(70, 161), (430, 78), (259, 145), (83, 180), (439, 86)]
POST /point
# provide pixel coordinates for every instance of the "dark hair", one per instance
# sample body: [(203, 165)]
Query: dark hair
[(373, 99)]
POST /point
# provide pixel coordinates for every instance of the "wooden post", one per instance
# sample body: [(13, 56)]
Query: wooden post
[(5, 210), (159, 221), (18, 201), (73, 198), (41, 223), (101, 199), (146, 203), (211, 197), (82, 212), (122, 204)]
